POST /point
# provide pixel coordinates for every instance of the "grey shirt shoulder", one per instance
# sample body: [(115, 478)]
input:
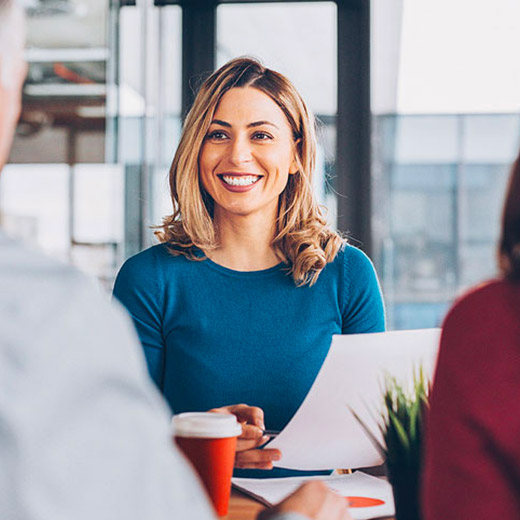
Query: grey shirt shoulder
[(84, 434)]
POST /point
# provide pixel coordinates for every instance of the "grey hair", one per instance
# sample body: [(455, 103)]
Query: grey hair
[(12, 37)]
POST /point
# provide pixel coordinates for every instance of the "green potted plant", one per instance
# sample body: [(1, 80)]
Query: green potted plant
[(402, 430)]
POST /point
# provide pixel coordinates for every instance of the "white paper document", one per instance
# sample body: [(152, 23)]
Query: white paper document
[(362, 491), (324, 434)]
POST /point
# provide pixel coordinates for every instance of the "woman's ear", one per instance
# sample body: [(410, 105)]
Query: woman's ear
[(295, 165)]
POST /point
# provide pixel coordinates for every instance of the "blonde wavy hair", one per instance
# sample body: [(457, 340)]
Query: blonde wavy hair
[(302, 239)]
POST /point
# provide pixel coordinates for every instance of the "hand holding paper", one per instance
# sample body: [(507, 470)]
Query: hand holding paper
[(251, 419)]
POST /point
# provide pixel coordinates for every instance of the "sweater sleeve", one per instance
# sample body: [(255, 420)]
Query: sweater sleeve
[(137, 287), (363, 309), (472, 461)]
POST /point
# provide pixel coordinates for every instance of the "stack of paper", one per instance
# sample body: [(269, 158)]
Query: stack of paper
[(370, 497)]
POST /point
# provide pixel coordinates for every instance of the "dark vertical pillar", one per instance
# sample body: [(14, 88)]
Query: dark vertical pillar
[(354, 117), (198, 46)]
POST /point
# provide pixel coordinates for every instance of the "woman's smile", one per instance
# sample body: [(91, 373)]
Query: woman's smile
[(238, 182)]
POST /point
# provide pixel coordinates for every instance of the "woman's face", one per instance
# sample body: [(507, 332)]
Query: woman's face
[(247, 155)]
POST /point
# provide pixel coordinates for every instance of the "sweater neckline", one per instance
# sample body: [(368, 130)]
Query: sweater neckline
[(243, 274)]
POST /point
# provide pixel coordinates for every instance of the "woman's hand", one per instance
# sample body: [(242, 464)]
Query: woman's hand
[(252, 420), (314, 500)]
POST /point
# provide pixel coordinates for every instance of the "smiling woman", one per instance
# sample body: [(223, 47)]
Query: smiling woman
[(240, 301)]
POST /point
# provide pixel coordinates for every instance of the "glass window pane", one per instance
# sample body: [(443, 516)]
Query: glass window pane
[(98, 186), (490, 138), (426, 139), (482, 193), (149, 114)]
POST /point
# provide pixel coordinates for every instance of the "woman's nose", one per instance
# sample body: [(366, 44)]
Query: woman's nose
[(240, 151)]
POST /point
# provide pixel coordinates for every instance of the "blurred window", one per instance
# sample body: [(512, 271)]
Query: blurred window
[(446, 94), (438, 202), (148, 114)]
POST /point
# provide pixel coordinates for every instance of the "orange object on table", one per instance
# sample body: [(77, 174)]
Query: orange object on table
[(213, 459), (209, 441)]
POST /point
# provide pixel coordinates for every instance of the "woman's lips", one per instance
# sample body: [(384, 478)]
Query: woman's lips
[(239, 183)]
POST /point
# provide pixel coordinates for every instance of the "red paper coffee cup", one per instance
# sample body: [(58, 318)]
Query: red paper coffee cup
[(209, 441)]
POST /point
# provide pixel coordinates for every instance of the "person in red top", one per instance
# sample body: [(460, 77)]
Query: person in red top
[(472, 457)]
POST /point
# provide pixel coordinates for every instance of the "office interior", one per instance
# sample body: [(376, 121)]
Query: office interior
[(417, 103)]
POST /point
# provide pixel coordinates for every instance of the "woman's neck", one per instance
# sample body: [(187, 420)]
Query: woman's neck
[(245, 243)]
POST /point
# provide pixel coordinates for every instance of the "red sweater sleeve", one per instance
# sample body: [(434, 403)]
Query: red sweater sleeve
[(472, 460)]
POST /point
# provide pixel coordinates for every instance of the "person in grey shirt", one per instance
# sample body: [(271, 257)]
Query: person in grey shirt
[(84, 434)]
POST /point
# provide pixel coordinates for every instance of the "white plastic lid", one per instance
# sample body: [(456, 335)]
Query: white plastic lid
[(206, 425)]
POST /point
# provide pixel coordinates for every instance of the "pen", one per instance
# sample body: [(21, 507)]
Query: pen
[(270, 433)]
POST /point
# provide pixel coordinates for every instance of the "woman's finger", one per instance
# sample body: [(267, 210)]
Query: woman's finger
[(250, 415), (245, 413), (257, 456), (250, 432), (243, 445), (254, 465)]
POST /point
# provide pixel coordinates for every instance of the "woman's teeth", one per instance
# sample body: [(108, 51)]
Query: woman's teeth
[(240, 180)]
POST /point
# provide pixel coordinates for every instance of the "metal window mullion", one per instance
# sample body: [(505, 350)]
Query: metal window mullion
[(198, 47), (354, 122)]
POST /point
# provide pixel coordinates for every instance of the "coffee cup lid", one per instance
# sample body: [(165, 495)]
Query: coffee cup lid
[(206, 425)]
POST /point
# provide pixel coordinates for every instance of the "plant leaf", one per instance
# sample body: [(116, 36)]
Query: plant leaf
[(401, 432)]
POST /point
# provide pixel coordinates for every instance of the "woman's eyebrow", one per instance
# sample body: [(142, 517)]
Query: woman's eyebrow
[(220, 122), (250, 125), (260, 123)]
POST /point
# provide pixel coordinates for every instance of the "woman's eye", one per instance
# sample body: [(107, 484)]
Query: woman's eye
[(261, 136), (217, 135)]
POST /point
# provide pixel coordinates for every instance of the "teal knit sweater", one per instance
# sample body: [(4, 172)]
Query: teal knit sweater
[(214, 337)]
